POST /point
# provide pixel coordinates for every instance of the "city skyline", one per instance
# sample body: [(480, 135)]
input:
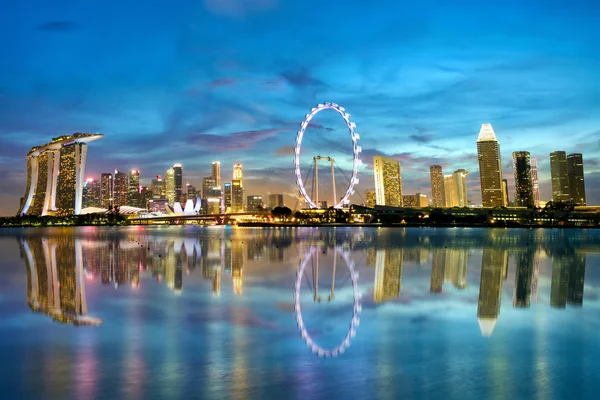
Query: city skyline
[(161, 96)]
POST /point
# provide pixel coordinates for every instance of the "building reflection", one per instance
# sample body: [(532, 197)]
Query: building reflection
[(56, 280), (388, 274), (523, 279), (568, 275), (490, 289)]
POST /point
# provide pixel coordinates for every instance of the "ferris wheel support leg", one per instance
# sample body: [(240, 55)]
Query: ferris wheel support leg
[(333, 182)]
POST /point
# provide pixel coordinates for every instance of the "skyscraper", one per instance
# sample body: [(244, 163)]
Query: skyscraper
[(134, 188), (451, 197), (505, 199), (523, 179), (170, 186), (191, 193), (158, 188), (237, 196), (91, 194), (120, 189), (209, 183), (388, 181), (237, 174), (227, 196), (560, 176), (460, 180), (55, 176), (178, 177), (576, 180), (106, 190), (490, 167), (216, 173), (534, 182), (275, 200), (254, 203), (437, 186)]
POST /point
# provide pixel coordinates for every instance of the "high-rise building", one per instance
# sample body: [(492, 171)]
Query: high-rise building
[(227, 196), (534, 182), (237, 173), (158, 188), (450, 191), (576, 180), (418, 200), (371, 198), (106, 190), (55, 176), (460, 182), (145, 195), (91, 194), (560, 177), (191, 193), (388, 181), (438, 195), (178, 177), (505, 199), (254, 203), (523, 180), (170, 187), (134, 189), (120, 189), (237, 196), (275, 200), (490, 167), (209, 183), (216, 173), (490, 289)]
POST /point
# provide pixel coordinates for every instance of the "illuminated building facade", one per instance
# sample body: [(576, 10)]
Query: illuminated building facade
[(534, 182), (55, 176), (254, 203), (275, 200), (216, 173), (371, 198), (227, 193), (523, 180), (120, 189), (178, 178), (209, 184), (106, 190), (576, 179), (191, 193), (170, 186), (460, 182), (438, 195), (237, 196), (237, 173), (134, 189), (388, 181), (490, 167), (560, 176), (158, 188), (91, 193), (505, 199), (418, 200), (450, 191)]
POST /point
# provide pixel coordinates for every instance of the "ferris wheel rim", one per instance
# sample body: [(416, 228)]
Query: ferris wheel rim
[(356, 149), (345, 343)]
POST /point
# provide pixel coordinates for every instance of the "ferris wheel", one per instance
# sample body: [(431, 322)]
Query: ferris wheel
[(356, 149), (356, 309)]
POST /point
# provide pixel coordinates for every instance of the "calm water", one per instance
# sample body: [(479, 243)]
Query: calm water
[(194, 312)]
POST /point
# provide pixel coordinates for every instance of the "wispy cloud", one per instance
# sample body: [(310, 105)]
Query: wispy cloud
[(58, 26)]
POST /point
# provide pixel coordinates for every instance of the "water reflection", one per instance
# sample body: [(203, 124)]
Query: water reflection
[(55, 279)]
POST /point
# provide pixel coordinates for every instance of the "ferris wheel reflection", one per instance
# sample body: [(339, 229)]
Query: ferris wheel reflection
[(312, 258)]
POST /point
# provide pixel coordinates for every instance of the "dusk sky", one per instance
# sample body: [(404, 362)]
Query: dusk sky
[(193, 81)]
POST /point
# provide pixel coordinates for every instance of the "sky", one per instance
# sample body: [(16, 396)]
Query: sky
[(195, 81)]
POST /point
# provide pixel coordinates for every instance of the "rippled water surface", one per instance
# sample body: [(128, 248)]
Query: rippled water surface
[(306, 313)]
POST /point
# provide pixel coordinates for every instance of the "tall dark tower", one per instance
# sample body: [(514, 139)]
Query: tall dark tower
[(523, 179), (576, 181), (490, 167), (437, 186), (560, 176), (178, 169)]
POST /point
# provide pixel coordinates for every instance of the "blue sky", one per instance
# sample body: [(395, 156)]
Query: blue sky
[(231, 80)]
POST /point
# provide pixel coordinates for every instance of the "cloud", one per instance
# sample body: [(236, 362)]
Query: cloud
[(238, 8), (234, 141), (302, 78), (285, 151), (58, 26), (422, 137), (222, 82)]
